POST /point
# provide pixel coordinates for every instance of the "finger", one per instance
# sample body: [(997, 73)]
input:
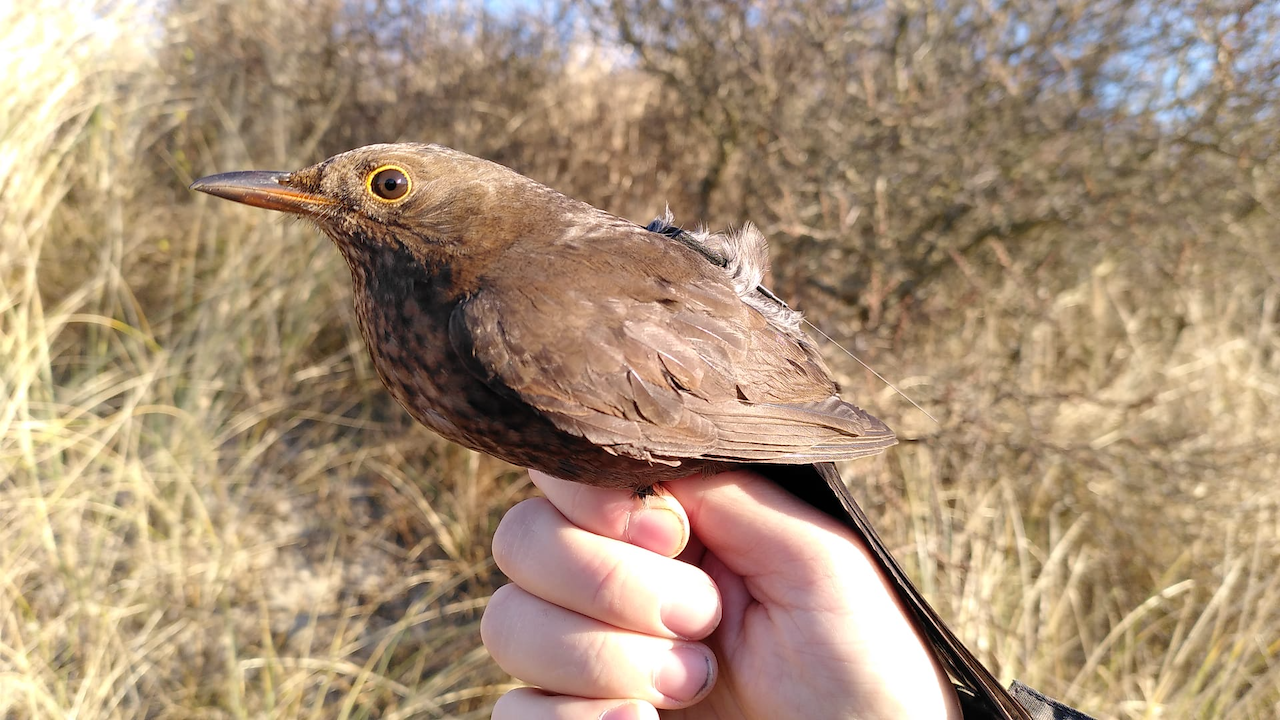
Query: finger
[(569, 654), (801, 563), (654, 523), (605, 579), (535, 704), (757, 529)]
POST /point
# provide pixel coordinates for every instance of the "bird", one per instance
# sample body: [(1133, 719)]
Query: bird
[(514, 320)]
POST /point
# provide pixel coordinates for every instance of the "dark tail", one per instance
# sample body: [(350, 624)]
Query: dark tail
[(988, 698)]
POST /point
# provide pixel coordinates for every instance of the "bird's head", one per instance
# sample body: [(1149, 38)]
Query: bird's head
[(436, 203)]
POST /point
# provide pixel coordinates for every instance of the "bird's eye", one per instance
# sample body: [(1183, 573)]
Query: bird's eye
[(389, 183)]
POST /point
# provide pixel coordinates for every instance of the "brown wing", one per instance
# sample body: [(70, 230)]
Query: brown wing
[(658, 360)]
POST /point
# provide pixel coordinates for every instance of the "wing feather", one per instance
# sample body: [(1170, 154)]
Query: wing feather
[(680, 368)]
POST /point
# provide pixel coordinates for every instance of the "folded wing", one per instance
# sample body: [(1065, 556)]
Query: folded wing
[(678, 367)]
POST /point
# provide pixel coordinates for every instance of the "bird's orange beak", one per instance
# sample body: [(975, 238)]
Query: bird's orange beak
[(263, 188)]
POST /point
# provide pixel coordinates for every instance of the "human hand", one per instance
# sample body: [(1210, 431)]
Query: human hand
[(722, 597)]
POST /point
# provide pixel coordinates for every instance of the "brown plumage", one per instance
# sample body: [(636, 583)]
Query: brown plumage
[(522, 323)]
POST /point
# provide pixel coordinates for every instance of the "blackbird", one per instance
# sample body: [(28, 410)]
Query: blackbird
[(519, 322)]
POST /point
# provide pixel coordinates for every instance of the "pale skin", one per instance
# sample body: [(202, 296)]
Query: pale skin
[(721, 597)]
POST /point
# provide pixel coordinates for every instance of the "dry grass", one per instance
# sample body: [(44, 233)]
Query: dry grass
[(208, 507), (203, 515)]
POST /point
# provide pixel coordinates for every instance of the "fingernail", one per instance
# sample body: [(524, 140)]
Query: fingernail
[(657, 529), (693, 612), (630, 711), (685, 674)]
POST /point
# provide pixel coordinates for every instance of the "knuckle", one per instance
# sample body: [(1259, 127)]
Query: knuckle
[(514, 533), (612, 578), (517, 703), (497, 620), (596, 663)]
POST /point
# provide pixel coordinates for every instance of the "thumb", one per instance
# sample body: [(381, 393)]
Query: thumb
[(756, 528), (806, 567)]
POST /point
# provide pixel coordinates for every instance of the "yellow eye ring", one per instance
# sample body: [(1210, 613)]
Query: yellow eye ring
[(389, 183)]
